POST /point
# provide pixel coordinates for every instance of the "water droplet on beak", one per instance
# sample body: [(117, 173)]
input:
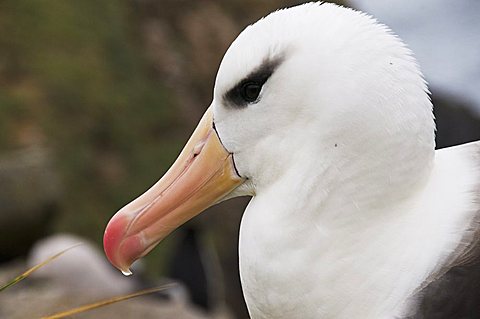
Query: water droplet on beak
[(127, 272)]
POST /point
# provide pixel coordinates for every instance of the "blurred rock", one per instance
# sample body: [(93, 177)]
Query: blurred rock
[(28, 199)]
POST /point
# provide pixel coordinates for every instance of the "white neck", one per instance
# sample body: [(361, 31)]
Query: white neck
[(328, 250)]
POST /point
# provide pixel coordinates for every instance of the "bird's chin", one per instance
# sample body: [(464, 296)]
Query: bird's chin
[(203, 174)]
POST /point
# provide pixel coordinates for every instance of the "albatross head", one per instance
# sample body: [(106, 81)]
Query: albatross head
[(315, 94)]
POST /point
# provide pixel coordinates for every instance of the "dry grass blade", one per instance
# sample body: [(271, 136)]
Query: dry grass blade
[(76, 311), (27, 273)]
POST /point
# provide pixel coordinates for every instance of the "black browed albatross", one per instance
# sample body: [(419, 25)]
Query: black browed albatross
[(321, 114)]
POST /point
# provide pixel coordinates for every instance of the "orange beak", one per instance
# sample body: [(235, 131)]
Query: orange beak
[(203, 175)]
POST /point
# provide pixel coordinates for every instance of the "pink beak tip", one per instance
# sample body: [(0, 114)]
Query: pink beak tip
[(121, 251)]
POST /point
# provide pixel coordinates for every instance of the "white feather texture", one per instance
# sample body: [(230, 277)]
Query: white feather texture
[(353, 210)]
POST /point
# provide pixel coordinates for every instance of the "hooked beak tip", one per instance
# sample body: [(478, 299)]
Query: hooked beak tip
[(121, 251)]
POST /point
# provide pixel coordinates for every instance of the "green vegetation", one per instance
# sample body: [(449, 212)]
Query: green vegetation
[(73, 78)]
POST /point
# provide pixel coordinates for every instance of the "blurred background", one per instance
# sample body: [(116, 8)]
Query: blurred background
[(97, 99)]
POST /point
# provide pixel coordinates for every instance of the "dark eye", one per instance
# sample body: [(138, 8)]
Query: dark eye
[(247, 91), (250, 91)]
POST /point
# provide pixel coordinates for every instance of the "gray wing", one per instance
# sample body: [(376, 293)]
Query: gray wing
[(454, 292), (456, 295)]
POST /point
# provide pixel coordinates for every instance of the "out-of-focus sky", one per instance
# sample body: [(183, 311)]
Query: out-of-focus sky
[(445, 37)]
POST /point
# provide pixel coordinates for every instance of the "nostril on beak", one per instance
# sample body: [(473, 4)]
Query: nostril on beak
[(198, 148)]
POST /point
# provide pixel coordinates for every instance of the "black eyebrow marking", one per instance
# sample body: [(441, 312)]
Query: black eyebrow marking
[(260, 75)]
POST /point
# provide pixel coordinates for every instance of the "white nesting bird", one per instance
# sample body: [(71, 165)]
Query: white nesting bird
[(321, 114), (80, 270)]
